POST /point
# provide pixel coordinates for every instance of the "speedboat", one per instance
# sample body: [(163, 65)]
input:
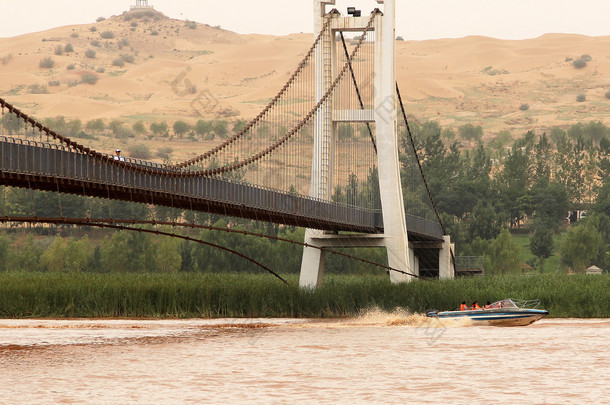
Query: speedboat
[(507, 312)]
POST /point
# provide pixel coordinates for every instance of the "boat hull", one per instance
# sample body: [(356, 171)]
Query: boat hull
[(496, 316)]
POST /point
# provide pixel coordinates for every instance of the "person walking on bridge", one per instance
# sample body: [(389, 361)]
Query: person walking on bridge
[(118, 156)]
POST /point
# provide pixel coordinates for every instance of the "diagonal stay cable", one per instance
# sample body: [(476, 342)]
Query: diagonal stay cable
[(351, 69), (421, 171)]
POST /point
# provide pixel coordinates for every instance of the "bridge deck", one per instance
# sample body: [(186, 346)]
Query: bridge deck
[(52, 167)]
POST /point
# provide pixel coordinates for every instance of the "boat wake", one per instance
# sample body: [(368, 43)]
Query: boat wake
[(402, 317)]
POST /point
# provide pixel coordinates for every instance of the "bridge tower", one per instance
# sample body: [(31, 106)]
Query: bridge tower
[(384, 116)]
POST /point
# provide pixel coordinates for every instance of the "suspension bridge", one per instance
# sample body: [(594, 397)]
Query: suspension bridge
[(332, 152)]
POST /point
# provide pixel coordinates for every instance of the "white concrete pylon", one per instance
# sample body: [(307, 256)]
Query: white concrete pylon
[(384, 115)]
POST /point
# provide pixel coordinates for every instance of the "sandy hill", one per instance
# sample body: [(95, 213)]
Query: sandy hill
[(150, 67)]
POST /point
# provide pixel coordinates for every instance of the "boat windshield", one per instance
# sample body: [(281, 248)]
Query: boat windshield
[(515, 303), (507, 303)]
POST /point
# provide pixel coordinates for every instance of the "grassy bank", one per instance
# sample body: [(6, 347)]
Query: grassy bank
[(246, 295)]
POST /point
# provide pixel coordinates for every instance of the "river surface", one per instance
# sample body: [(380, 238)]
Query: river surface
[(376, 358)]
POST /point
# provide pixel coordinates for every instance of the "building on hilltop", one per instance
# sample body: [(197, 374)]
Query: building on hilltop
[(141, 4)]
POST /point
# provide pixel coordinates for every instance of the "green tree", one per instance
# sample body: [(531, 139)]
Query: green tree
[(550, 204), (346, 132), (159, 128), (239, 125), (203, 128), (484, 223), (168, 253), (4, 252), (11, 123), (139, 127), (504, 254), (541, 244), (67, 255), (181, 128), (469, 132), (27, 258), (220, 128), (95, 125), (580, 245), (514, 181), (75, 127), (115, 255)]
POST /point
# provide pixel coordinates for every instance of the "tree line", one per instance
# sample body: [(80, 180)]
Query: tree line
[(531, 184), (482, 191)]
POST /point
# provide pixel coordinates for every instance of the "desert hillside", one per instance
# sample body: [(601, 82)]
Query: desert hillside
[(145, 66)]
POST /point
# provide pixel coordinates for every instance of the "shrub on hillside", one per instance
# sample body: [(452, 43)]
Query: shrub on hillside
[(579, 63), (71, 66), (96, 43), (38, 89), (100, 69), (608, 94), (107, 35), (154, 32), (75, 35), (6, 59), (524, 107), (69, 48), (581, 97), (128, 58), (54, 83), (90, 78), (93, 29), (90, 53), (47, 63), (59, 50), (118, 62), (164, 152), (100, 19), (470, 132), (139, 151), (134, 24)]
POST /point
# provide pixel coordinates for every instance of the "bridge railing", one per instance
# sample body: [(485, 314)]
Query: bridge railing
[(54, 161)]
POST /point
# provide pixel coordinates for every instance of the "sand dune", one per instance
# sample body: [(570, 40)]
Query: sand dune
[(476, 80)]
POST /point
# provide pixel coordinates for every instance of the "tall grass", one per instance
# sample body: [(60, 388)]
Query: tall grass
[(247, 295)]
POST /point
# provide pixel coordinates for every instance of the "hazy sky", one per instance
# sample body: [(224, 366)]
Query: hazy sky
[(421, 19)]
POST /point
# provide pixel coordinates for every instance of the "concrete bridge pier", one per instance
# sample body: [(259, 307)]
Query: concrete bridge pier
[(446, 268)]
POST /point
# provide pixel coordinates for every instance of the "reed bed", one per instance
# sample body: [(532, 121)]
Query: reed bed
[(247, 295)]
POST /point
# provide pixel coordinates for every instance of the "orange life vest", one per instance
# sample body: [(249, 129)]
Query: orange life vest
[(476, 306), (463, 307)]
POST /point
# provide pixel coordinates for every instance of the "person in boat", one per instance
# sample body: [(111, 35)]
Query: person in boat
[(475, 305), (487, 305), (463, 306)]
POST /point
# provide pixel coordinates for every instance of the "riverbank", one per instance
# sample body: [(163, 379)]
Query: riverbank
[(183, 295)]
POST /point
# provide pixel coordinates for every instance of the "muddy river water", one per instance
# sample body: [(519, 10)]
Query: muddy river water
[(376, 358)]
